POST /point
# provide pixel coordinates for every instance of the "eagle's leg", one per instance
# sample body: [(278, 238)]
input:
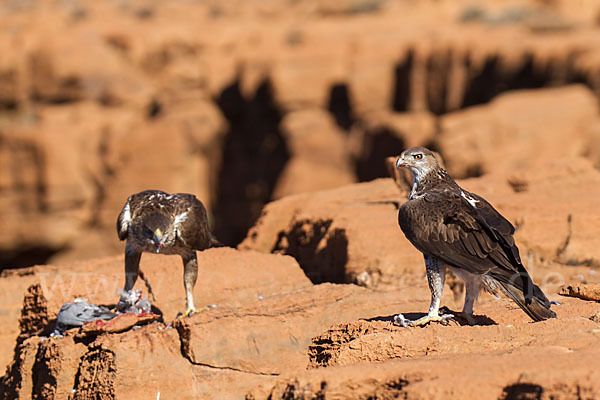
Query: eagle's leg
[(472, 289), (132, 268), (436, 276), (190, 275)]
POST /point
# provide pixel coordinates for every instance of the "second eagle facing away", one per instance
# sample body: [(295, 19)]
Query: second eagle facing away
[(458, 229), (157, 222)]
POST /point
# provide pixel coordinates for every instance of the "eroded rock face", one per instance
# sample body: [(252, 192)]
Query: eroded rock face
[(351, 234), (112, 366), (525, 372), (583, 291), (81, 162), (508, 357), (550, 204), (270, 323), (340, 234), (96, 111), (376, 341), (225, 275), (522, 129), (265, 313), (270, 336), (242, 103), (319, 157)]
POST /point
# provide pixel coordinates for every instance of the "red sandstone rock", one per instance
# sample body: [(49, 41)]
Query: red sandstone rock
[(524, 129), (95, 110), (261, 345), (339, 234), (554, 371), (583, 291), (350, 234), (270, 336), (371, 341), (150, 81), (550, 204), (225, 276), (319, 159)]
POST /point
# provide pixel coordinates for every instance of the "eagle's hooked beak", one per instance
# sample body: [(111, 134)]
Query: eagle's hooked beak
[(157, 238), (400, 162)]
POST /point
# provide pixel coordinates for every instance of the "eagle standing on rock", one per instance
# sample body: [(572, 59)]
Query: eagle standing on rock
[(455, 228), (158, 222)]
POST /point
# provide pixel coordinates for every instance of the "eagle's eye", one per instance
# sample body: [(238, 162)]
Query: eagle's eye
[(418, 156)]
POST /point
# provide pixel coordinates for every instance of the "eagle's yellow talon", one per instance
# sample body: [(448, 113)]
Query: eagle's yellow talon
[(189, 312), (442, 319)]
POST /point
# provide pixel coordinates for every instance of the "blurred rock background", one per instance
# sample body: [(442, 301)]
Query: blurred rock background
[(244, 102)]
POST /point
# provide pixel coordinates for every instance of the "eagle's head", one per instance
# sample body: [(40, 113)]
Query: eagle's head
[(419, 160), (153, 229)]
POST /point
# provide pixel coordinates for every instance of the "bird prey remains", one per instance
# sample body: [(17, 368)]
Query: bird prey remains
[(455, 228), (77, 313), (158, 222)]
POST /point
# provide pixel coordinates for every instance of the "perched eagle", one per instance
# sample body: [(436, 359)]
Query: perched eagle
[(158, 222), (455, 228)]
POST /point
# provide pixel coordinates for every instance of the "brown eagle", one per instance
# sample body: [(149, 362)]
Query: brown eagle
[(158, 222), (455, 228)]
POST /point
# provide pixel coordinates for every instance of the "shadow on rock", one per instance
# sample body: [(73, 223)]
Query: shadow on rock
[(480, 320), (320, 249)]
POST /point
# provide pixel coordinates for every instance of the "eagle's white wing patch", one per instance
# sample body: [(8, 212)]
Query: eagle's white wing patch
[(179, 219), (126, 220), (468, 198)]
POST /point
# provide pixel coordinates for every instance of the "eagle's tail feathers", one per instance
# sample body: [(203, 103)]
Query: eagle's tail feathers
[(537, 307)]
